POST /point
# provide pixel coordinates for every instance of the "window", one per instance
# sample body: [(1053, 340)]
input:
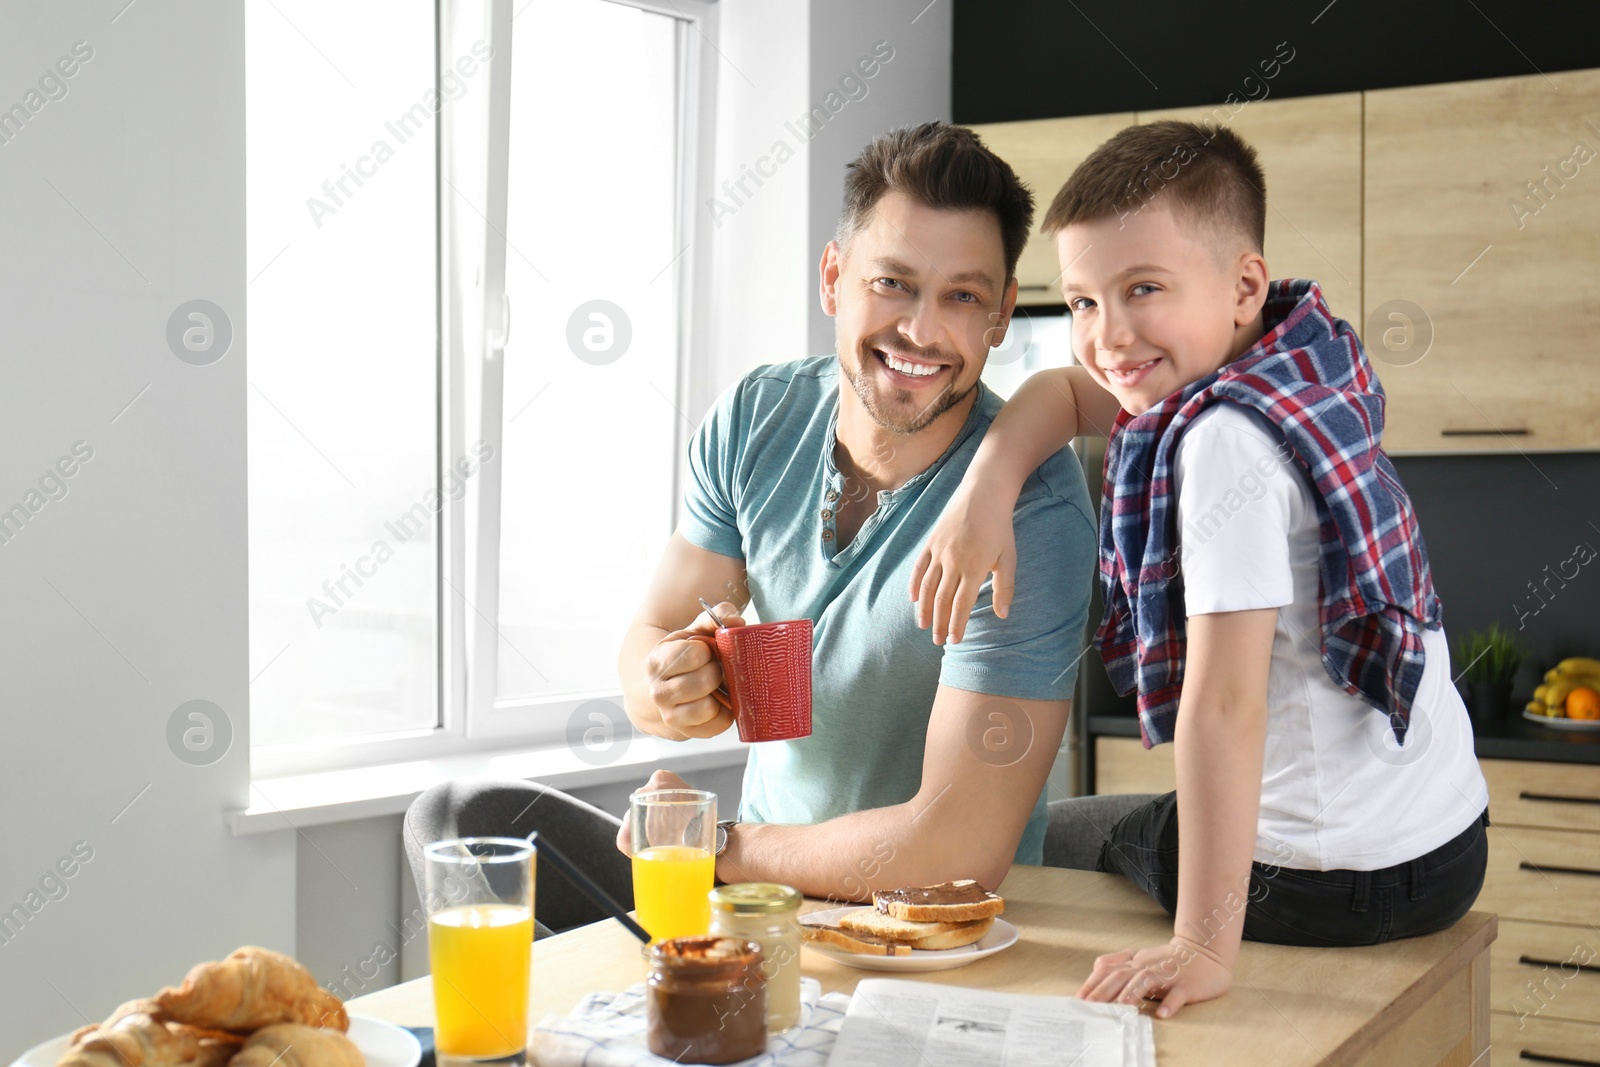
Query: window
[(589, 435), (466, 353), (343, 364)]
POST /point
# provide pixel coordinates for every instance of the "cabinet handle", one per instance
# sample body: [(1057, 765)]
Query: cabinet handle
[(1539, 1057), (1509, 431), (1525, 795), (1540, 868), (1532, 961)]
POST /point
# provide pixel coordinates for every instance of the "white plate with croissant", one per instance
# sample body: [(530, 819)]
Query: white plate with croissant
[(257, 1008)]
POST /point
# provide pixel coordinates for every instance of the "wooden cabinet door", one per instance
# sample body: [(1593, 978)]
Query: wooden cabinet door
[(1044, 153), (1482, 247), (1310, 151), (1124, 765)]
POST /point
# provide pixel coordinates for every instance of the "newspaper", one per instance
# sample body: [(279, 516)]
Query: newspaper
[(894, 1023)]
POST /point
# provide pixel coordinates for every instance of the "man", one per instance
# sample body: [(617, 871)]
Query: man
[(813, 487)]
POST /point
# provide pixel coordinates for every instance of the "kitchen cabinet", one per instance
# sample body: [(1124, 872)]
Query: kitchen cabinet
[(1124, 765), (1044, 153), (1455, 226), (1544, 880), (1482, 253), (1310, 149)]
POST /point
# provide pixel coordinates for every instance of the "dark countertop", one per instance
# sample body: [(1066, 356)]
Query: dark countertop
[(1514, 738), (1517, 738)]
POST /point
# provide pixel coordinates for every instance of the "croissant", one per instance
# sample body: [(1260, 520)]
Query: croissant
[(252, 988), (293, 1045), (143, 1004), (137, 1035)]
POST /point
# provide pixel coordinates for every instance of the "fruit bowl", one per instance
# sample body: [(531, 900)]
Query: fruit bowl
[(1569, 699), (1561, 722)]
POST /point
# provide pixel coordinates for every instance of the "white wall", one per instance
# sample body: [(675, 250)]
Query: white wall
[(785, 60), (126, 597), (911, 87), (762, 262)]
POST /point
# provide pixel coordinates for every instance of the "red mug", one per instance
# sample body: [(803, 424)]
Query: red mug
[(766, 677)]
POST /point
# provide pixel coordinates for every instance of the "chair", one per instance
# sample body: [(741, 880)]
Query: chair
[(489, 808)]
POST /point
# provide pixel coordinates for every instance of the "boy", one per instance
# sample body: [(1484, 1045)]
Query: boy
[(1267, 589)]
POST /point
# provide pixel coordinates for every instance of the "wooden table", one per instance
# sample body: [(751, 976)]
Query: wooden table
[(1416, 1002)]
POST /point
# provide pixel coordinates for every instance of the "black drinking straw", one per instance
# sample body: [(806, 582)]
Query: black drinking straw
[(597, 896)]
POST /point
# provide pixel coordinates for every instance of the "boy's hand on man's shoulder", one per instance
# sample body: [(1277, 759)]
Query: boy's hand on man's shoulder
[(1182, 971), (972, 539)]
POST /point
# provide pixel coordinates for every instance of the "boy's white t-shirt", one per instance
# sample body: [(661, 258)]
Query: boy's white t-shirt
[(1337, 793)]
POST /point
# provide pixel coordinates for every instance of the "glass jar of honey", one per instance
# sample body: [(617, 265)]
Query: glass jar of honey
[(768, 914), (706, 1000)]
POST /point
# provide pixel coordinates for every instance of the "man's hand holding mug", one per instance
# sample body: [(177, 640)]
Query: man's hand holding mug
[(708, 676), (685, 676)]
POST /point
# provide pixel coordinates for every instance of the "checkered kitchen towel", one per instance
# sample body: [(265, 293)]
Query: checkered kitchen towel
[(608, 1030)]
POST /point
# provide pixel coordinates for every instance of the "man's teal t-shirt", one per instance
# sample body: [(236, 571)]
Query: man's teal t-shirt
[(763, 488)]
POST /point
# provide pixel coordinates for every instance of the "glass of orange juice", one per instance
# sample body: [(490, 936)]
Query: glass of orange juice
[(480, 944), (672, 833)]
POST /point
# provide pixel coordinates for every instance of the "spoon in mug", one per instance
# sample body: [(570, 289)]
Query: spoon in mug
[(721, 692), (710, 612)]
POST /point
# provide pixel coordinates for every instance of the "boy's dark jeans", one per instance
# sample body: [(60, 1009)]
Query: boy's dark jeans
[(1315, 908)]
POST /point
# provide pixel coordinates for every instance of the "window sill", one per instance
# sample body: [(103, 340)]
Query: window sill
[(298, 801)]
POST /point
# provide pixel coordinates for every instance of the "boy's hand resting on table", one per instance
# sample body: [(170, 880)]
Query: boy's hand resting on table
[(1180, 972), (971, 540)]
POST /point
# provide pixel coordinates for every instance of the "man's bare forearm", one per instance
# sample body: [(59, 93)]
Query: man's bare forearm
[(848, 857)]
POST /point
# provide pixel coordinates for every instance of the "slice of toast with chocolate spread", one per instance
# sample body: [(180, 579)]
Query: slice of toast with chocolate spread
[(948, 902)]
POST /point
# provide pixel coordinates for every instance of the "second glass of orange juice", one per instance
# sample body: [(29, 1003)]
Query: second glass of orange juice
[(672, 832), (480, 944)]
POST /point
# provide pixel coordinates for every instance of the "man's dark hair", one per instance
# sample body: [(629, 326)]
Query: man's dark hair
[(1206, 174), (944, 167)]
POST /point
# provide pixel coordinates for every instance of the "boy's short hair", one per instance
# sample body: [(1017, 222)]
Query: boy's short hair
[(944, 167), (1205, 173)]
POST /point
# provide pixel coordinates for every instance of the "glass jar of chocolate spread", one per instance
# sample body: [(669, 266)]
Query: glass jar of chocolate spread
[(768, 914), (706, 1000)]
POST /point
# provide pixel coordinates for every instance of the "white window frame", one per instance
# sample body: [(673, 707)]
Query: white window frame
[(473, 163)]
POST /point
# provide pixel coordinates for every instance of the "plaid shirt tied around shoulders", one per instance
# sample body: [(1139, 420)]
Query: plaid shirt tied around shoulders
[(1310, 377)]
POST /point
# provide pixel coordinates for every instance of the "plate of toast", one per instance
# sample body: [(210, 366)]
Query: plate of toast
[(918, 928), (256, 1008)]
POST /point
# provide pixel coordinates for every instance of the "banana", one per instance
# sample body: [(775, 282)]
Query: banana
[(1584, 676), (1540, 693), (1537, 707), (1579, 665), (1556, 693)]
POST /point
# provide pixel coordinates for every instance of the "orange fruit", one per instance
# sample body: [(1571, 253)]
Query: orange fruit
[(1583, 703)]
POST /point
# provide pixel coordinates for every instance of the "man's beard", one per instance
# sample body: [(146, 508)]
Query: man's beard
[(860, 379)]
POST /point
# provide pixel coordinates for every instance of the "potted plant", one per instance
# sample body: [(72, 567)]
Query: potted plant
[(1488, 661)]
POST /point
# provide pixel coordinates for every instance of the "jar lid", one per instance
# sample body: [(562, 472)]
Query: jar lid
[(755, 898), (704, 954)]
